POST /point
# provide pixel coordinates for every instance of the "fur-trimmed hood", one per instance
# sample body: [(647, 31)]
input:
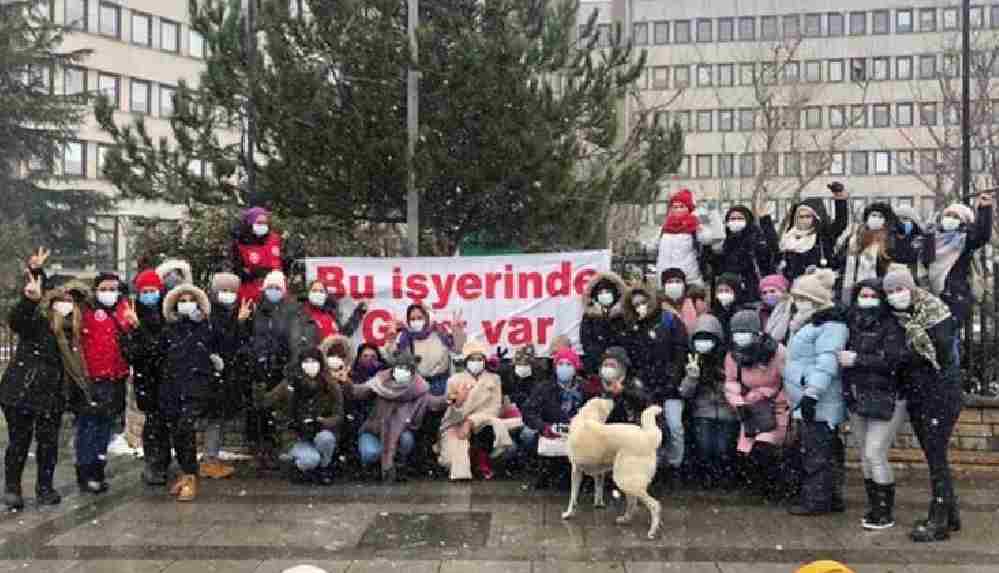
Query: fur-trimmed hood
[(590, 305), (80, 291), (655, 308), (817, 206), (342, 341), (179, 265), (170, 302)]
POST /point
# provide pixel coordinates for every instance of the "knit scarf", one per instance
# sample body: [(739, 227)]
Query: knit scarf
[(570, 398), (797, 241), (779, 320), (677, 224), (949, 247), (388, 388), (408, 336), (926, 312)]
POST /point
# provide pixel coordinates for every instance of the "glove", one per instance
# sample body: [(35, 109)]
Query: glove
[(549, 432), (847, 358), (502, 353), (217, 362), (836, 187), (808, 408)]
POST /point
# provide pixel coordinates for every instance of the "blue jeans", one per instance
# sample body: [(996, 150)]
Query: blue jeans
[(370, 447), (91, 441), (716, 440), (317, 453), (671, 451)]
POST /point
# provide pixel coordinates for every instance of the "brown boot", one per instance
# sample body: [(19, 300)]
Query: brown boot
[(188, 488), (178, 483)]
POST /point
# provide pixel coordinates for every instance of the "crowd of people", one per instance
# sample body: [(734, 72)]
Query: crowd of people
[(759, 346)]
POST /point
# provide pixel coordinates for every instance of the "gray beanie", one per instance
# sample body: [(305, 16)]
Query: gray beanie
[(898, 276), (225, 281), (746, 321)]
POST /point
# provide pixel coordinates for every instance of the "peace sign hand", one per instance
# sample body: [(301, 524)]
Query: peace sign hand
[(245, 309), (37, 260), (131, 318), (33, 289), (457, 324), (693, 368)]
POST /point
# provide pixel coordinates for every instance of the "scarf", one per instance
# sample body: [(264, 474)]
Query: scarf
[(797, 241), (407, 336), (860, 266), (779, 321), (389, 388), (676, 224), (926, 312), (570, 398), (949, 248), (801, 318), (364, 371)]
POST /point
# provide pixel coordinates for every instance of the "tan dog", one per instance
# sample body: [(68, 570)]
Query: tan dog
[(629, 451)]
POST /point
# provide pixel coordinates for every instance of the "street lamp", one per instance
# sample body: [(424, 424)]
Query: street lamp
[(966, 100)]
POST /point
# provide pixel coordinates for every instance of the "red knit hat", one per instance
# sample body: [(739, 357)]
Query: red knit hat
[(685, 197), (569, 355), (148, 279)]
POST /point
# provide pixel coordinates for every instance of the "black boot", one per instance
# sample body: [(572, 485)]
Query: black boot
[(99, 471), (47, 496), (937, 527), (88, 477), (12, 498), (882, 514), (871, 500), (955, 515)]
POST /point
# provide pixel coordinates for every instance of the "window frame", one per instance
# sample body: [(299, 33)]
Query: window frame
[(863, 28), (743, 66), (708, 77), (697, 165), (838, 63), (795, 31), (100, 19), (730, 114), (191, 35), (731, 35), (655, 84), (173, 106), (83, 80), (726, 158), (880, 115), (751, 157), (764, 21), (164, 22), (837, 163), (731, 74), (132, 83), (751, 20), (677, 83), (83, 159), (82, 24), (813, 112), (640, 38), (862, 68), (841, 111), (934, 25), (950, 10), (885, 63), (787, 156), (698, 39), (923, 108), (814, 65), (854, 155), (885, 15), (132, 16), (865, 117), (878, 156), (805, 28), (117, 87), (681, 25), (936, 70), (904, 118), (898, 74), (830, 29), (899, 28), (700, 115)]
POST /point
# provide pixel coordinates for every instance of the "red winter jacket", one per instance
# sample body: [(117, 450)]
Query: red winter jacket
[(325, 325), (102, 349), (258, 260)]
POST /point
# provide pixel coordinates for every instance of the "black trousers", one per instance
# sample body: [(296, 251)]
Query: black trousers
[(22, 426), (156, 441), (182, 437), (823, 465), (261, 429), (933, 419)]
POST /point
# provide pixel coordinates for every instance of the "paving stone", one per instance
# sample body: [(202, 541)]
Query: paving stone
[(388, 566), (485, 567), (212, 567), (119, 566), (278, 566)]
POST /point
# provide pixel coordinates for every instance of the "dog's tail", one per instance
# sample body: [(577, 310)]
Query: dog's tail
[(649, 417)]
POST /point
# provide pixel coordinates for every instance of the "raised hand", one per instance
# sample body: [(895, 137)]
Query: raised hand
[(693, 367), (245, 309), (37, 260), (130, 316), (985, 200), (33, 289), (457, 323)]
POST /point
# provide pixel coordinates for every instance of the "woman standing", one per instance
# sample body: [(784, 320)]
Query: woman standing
[(870, 365), (961, 233), (324, 311), (776, 307), (810, 238), (869, 250), (747, 251), (431, 342), (930, 386), (255, 252)]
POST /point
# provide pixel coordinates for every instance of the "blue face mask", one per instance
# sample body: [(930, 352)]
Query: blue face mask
[(907, 227), (565, 373), (149, 298), (274, 295)]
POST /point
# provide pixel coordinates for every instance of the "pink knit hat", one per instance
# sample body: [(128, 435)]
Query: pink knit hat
[(568, 355), (774, 281)]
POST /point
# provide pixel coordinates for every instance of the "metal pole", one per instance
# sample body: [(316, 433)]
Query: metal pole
[(966, 100), (251, 107), (412, 130)]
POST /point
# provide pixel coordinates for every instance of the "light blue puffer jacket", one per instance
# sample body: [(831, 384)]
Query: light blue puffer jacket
[(813, 367)]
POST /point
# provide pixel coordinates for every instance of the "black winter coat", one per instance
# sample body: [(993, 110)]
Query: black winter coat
[(957, 291), (657, 347), (279, 334), (517, 389), (920, 381), (227, 398), (34, 376), (795, 264), (629, 404), (143, 353), (187, 374), (912, 249), (749, 254), (544, 406)]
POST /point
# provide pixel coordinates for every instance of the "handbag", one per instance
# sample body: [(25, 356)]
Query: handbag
[(761, 417), (553, 447)]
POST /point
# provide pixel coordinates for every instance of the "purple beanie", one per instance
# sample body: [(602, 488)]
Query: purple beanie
[(251, 214)]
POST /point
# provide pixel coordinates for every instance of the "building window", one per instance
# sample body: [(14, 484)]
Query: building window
[(927, 19), (704, 120), (903, 68), (928, 113), (682, 119), (950, 65), (681, 77), (169, 36), (102, 154), (882, 115), (792, 164), (882, 163), (790, 118), (196, 44), (108, 86), (836, 70), (726, 74), (903, 21), (950, 19), (110, 19), (927, 67), (813, 71), (74, 160), (660, 33), (903, 114), (167, 95), (858, 23), (726, 119), (928, 161), (813, 25), (977, 160), (858, 116), (903, 161), (74, 81), (704, 28), (726, 165), (196, 167), (747, 119), (994, 15), (952, 115), (139, 100), (704, 75), (881, 22), (768, 28), (792, 72), (858, 69), (604, 35), (858, 163), (747, 165), (681, 32), (837, 116), (834, 24), (703, 166), (881, 69), (813, 118), (995, 112), (142, 29), (642, 81), (747, 28), (726, 29), (747, 74), (76, 14), (837, 163), (660, 78), (640, 33), (792, 26)]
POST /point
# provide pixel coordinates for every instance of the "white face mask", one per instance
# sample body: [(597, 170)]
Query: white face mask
[(605, 297), (522, 370), (107, 297), (260, 229), (63, 307), (868, 302), (950, 223), (475, 366), (673, 290), (610, 373), (704, 346), (311, 368), (417, 325), (317, 298), (335, 362), (900, 300), (736, 226), (875, 222), (726, 298), (227, 298), (187, 307), (642, 310), (402, 375), (742, 339)]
